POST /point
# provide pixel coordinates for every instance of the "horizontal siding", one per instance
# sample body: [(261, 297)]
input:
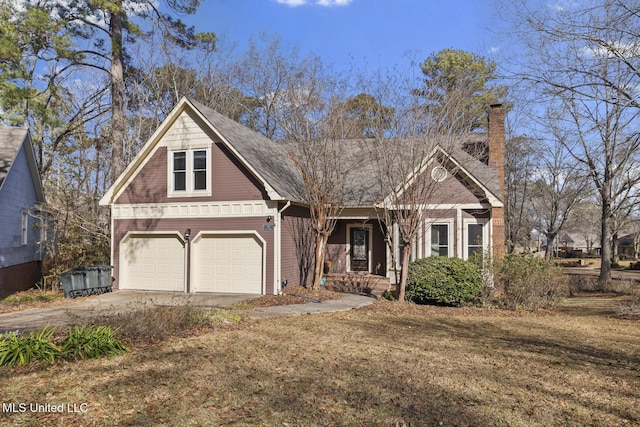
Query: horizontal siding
[(229, 179), (121, 227), (17, 194)]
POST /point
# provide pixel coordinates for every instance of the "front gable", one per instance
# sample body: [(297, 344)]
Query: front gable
[(449, 182), (226, 177)]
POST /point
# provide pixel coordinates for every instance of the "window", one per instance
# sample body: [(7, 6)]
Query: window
[(475, 242), (200, 170), (190, 172), (25, 228), (180, 171), (440, 240)]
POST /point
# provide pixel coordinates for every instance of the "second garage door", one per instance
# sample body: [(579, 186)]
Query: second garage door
[(230, 263)]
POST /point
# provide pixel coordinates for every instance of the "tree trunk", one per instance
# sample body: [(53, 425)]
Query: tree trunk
[(117, 93), (321, 250), (404, 273), (605, 245), (548, 252)]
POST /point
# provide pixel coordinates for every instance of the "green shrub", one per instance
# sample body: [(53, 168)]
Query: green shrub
[(441, 280), (91, 342), (530, 283), (19, 350)]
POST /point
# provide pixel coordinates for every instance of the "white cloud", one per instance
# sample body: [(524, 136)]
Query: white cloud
[(328, 3)]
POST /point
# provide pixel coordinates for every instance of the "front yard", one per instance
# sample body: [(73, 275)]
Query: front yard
[(388, 364)]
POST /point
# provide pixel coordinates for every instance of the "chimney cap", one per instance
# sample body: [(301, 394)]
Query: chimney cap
[(496, 105)]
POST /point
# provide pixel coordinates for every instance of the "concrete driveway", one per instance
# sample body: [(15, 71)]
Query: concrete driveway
[(82, 309)]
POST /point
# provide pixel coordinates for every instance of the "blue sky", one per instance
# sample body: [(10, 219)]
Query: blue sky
[(375, 33)]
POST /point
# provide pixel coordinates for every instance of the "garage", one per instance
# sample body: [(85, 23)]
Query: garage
[(229, 263), (153, 262)]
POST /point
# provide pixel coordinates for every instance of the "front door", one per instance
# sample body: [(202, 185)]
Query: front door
[(359, 249)]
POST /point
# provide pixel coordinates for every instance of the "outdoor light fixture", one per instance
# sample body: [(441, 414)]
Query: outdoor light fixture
[(269, 218), (187, 233)]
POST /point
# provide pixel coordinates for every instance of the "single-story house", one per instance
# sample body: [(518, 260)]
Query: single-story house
[(21, 198), (209, 205)]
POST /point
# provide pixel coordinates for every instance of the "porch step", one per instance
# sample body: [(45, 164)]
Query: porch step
[(355, 283)]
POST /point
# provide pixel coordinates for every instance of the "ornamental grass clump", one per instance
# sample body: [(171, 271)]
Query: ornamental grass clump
[(444, 281), (20, 350), (91, 342)]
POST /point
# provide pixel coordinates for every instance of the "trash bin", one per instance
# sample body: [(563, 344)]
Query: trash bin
[(86, 281), (73, 282)]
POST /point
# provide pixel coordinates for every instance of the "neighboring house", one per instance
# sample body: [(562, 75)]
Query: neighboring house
[(208, 205), (577, 244), (21, 198)]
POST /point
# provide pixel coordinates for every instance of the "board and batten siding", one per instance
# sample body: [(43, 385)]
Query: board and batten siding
[(179, 225), (229, 179), (17, 195)]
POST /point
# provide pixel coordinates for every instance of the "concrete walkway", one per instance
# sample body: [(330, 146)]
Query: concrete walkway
[(81, 310)]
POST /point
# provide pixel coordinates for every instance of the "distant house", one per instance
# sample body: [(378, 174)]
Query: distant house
[(21, 197), (209, 205)]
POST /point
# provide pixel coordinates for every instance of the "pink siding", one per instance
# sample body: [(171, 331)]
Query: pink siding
[(297, 242), (229, 181), (121, 227)]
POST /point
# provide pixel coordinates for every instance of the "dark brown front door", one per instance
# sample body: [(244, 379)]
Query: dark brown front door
[(359, 249)]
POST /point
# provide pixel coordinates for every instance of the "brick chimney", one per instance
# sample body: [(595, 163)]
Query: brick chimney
[(496, 142), (496, 161)]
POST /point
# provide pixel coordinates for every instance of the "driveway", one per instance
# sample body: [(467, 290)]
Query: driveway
[(82, 309)]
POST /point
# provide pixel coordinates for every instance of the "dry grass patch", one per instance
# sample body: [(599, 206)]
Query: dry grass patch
[(389, 364), (31, 298)]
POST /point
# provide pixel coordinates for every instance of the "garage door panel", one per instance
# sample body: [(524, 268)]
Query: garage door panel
[(152, 262), (228, 263)]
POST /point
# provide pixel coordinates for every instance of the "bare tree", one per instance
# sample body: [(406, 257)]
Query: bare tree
[(405, 156), (582, 57), (558, 186)]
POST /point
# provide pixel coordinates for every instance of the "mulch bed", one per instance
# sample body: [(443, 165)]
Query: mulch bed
[(288, 297)]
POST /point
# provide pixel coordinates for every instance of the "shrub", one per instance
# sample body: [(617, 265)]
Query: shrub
[(441, 280), (91, 342), (19, 350), (530, 283)]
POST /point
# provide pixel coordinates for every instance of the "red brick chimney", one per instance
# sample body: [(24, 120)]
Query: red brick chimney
[(496, 161), (496, 142)]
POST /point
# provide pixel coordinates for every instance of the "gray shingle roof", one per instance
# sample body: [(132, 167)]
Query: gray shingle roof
[(269, 159), (11, 138), (273, 163)]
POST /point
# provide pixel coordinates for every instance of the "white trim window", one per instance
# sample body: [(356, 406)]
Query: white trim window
[(189, 173), (476, 238), (24, 232), (439, 242)]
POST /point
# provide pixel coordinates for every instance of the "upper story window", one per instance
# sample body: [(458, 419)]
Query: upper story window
[(190, 173)]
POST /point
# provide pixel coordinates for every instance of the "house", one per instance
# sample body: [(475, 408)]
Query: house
[(21, 198), (211, 206)]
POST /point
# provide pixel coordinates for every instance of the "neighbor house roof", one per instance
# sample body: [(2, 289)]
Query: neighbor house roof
[(11, 140)]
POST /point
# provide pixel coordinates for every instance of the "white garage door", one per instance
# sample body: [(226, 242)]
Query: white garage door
[(152, 262), (230, 263)]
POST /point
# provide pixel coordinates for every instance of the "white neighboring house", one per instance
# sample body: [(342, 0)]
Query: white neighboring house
[(21, 198)]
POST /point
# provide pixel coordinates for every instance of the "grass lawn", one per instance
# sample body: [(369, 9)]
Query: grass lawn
[(387, 365)]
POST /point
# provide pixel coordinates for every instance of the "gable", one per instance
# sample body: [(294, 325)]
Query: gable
[(16, 142), (263, 165), (228, 178)]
